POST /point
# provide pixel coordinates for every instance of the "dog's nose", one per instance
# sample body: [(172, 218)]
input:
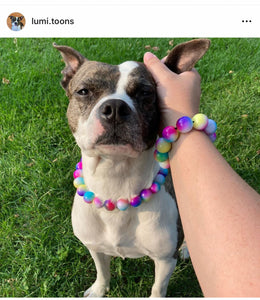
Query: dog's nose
[(114, 110)]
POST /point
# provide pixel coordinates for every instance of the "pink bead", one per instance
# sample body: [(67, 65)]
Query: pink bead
[(98, 203), (78, 173), (184, 124), (122, 204), (135, 201), (79, 165), (146, 195), (211, 128), (155, 187), (109, 205), (200, 121), (170, 134)]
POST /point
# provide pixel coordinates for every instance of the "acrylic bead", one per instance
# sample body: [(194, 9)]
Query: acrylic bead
[(160, 179), (122, 204), (200, 121), (163, 171), (109, 205), (163, 146), (146, 195), (184, 124), (79, 165), (88, 196), (81, 190), (170, 134), (155, 187), (165, 164), (212, 137), (135, 201), (77, 173), (78, 181), (160, 157), (98, 203), (211, 128)]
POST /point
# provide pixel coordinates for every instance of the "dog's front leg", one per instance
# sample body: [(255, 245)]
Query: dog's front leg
[(163, 271), (101, 285)]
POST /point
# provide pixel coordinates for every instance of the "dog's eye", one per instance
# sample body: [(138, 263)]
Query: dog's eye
[(82, 92)]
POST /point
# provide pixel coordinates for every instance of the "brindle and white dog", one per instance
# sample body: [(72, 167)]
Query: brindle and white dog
[(114, 117)]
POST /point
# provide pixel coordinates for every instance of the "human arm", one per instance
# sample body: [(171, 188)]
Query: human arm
[(220, 212)]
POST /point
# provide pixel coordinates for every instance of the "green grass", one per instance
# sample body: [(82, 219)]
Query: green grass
[(39, 256)]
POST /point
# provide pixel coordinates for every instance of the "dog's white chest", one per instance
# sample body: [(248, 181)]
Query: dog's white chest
[(128, 233)]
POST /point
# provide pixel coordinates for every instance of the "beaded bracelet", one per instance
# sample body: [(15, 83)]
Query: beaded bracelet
[(185, 124), (163, 145)]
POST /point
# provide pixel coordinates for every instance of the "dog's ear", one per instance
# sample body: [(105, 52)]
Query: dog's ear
[(184, 56), (73, 60), (20, 18)]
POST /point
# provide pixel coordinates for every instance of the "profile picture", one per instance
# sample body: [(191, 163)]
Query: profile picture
[(16, 21)]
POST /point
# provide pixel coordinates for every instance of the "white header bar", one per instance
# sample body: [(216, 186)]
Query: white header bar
[(128, 20)]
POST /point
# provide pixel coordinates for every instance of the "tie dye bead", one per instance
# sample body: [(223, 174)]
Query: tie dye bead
[(212, 137), (88, 196), (211, 127), (155, 187), (160, 179), (81, 190), (184, 124), (146, 195), (78, 181), (122, 204), (98, 203), (200, 121), (109, 205), (160, 157), (135, 201), (170, 134), (163, 146)]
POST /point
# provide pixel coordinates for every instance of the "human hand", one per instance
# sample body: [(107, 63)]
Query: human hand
[(179, 94)]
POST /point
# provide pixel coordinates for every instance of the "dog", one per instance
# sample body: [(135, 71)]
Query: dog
[(113, 114), (17, 23)]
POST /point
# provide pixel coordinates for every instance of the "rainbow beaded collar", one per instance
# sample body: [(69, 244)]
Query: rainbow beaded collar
[(163, 146)]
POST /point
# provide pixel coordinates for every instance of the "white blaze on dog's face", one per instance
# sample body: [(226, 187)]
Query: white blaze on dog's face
[(113, 110)]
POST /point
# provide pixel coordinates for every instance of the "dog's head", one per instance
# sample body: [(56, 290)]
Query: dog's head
[(16, 20), (113, 109)]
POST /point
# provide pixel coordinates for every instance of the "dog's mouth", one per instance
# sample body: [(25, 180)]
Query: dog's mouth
[(114, 144)]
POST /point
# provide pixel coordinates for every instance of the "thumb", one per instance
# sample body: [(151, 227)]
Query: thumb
[(158, 69)]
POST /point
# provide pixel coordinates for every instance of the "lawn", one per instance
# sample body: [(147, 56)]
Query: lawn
[(39, 256)]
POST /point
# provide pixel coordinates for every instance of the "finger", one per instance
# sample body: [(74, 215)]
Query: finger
[(156, 67)]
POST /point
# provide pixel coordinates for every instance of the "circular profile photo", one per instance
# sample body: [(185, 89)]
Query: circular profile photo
[(16, 21)]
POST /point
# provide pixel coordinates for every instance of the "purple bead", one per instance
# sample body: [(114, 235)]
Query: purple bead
[(146, 195), (184, 124), (211, 128), (170, 134), (135, 201), (155, 187), (213, 137), (79, 165)]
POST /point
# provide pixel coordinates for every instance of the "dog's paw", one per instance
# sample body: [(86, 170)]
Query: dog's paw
[(96, 290)]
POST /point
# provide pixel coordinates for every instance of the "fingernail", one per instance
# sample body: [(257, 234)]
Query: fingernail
[(148, 56)]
